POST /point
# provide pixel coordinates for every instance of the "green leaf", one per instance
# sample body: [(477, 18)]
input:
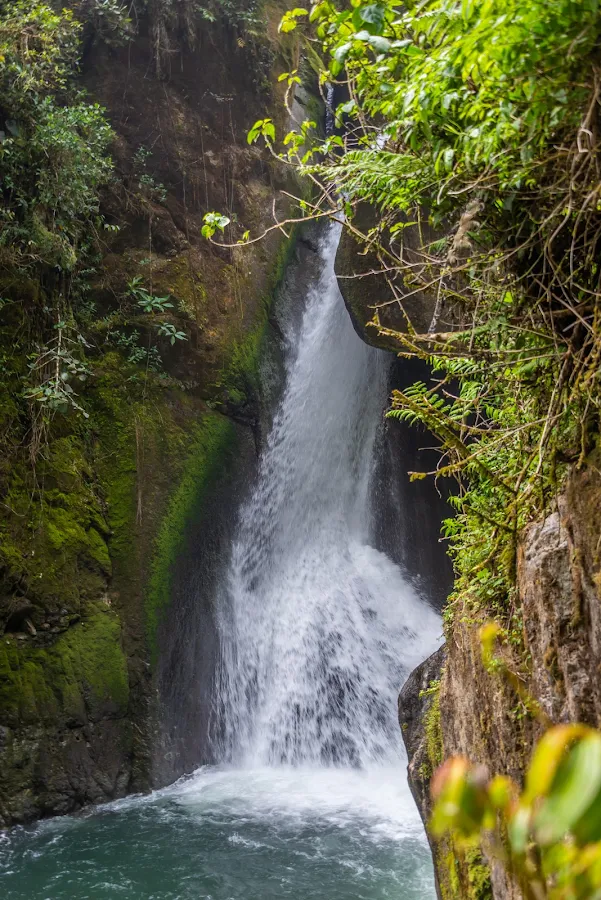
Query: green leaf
[(381, 44), (374, 14), (212, 222), (288, 22), (319, 10), (341, 52), (547, 758), (575, 787), (263, 128)]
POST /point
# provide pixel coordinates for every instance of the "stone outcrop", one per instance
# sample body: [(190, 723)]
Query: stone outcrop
[(419, 718), (415, 300), (478, 714), (559, 579), (452, 705), (416, 707)]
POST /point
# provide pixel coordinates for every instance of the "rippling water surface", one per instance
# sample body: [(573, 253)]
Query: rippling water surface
[(264, 834)]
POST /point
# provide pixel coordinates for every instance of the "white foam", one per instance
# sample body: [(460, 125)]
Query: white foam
[(378, 800)]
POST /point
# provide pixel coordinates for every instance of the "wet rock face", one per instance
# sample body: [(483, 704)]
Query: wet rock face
[(415, 705), (79, 726), (559, 578), (364, 285), (65, 737), (408, 448), (479, 715)]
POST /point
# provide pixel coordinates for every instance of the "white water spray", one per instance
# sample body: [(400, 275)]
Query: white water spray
[(319, 629)]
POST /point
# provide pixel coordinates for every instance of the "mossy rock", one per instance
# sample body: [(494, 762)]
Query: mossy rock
[(212, 448), (82, 676)]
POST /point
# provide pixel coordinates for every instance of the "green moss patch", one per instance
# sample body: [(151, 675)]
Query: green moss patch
[(213, 445), (478, 872), (53, 531), (240, 372), (82, 675), (433, 731)]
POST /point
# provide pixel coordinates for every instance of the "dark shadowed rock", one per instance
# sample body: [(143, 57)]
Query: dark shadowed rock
[(365, 286), (414, 707)]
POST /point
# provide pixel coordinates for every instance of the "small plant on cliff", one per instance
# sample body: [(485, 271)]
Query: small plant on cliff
[(147, 184), (166, 329), (53, 370), (149, 302), (152, 304), (548, 837)]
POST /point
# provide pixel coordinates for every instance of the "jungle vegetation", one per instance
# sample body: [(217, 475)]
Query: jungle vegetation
[(55, 163)]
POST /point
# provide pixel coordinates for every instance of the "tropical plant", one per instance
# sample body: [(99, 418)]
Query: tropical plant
[(481, 116), (166, 329), (547, 836), (149, 302)]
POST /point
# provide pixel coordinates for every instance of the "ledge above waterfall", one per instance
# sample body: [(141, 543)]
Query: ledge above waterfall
[(365, 286)]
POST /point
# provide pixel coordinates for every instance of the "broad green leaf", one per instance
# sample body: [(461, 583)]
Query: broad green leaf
[(288, 22), (576, 785), (547, 757), (374, 14), (341, 52), (518, 828)]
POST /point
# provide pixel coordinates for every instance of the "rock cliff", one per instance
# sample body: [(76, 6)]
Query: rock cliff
[(452, 705), (91, 542), (372, 292)]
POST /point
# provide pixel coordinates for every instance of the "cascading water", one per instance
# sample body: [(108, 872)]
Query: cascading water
[(318, 627), (318, 630)]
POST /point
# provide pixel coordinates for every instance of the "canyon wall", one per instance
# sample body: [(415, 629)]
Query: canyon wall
[(93, 545)]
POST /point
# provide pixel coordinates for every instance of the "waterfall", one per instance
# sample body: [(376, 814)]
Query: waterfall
[(330, 112), (318, 628)]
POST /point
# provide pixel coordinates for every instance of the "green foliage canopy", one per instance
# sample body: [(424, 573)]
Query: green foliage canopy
[(54, 143), (483, 117)]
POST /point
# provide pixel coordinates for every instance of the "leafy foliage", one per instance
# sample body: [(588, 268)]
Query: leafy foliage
[(54, 146), (482, 116), (549, 835), (147, 184), (149, 302), (214, 222), (263, 128), (168, 330), (54, 161), (54, 368)]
